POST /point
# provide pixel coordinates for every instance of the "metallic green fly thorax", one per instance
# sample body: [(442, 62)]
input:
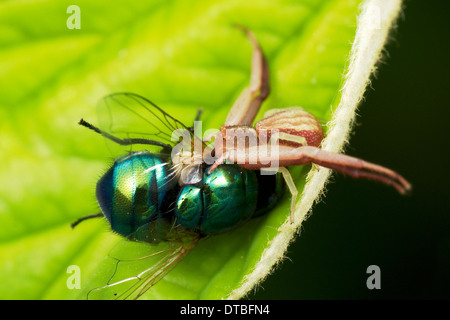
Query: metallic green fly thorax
[(226, 198)]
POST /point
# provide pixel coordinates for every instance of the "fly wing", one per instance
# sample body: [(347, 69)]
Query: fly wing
[(131, 116), (137, 266)]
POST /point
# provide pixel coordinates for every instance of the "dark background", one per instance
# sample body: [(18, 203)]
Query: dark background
[(403, 125)]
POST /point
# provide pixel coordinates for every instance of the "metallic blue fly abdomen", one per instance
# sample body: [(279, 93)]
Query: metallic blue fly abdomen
[(131, 192)]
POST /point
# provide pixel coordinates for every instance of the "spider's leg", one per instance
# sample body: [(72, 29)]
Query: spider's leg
[(358, 168), (247, 105), (292, 188), (351, 166), (220, 160)]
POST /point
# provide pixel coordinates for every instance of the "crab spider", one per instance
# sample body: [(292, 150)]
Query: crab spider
[(297, 132)]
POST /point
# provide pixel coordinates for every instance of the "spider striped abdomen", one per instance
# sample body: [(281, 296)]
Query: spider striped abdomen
[(296, 126)]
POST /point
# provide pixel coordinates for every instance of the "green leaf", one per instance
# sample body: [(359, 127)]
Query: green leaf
[(180, 54)]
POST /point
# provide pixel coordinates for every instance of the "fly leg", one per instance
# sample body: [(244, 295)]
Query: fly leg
[(126, 141), (90, 216)]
